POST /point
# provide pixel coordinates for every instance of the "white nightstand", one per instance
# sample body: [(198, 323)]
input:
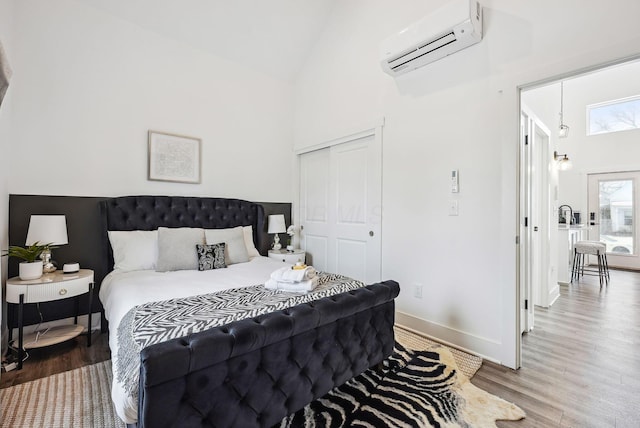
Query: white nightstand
[(47, 288), (290, 257)]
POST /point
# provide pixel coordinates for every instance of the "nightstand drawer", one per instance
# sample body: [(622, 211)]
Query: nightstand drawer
[(297, 256), (55, 291)]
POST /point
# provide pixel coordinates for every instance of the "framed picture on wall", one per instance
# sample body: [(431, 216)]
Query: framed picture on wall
[(174, 158)]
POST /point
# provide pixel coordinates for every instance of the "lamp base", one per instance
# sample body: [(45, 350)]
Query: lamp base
[(276, 242), (48, 265)]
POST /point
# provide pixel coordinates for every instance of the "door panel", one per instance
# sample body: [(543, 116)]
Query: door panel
[(317, 251), (351, 183), (613, 206), (351, 258), (314, 206), (351, 170)]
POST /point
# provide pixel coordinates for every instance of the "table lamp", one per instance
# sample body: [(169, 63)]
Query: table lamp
[(276, 225), (47, 230)]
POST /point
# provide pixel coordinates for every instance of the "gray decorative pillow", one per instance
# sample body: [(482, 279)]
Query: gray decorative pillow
[(236, 249), (211, 256), (176, 248)]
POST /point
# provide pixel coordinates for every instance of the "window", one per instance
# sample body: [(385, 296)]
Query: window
[(613, 116)]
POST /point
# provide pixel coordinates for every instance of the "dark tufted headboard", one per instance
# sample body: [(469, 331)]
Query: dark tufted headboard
[(151, 212)]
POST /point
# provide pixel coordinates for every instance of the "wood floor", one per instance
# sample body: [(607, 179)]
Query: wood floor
[(581, 363), (72, 354)]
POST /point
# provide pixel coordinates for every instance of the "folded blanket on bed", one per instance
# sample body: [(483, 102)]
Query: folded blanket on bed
[(287, 274), (293, 287)]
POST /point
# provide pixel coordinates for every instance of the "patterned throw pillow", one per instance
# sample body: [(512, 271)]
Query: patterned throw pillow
[(211, 256)]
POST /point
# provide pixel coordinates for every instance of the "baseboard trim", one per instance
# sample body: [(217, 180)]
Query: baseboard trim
[(555, 297), (472, 344)]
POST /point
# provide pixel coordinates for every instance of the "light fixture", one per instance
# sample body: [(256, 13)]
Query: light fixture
[(276, 225), (564, 163), (47, 230), (563, 131)]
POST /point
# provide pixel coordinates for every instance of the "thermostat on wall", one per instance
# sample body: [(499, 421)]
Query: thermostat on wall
[(71, 268), (455, 181)]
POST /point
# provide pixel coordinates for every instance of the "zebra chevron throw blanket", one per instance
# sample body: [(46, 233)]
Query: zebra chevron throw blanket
[(156, 322), (410, 389)]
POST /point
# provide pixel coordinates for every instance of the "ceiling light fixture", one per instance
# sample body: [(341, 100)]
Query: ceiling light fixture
[(563, 131)]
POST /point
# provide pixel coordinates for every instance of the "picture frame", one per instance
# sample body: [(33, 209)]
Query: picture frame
[(174, 158)]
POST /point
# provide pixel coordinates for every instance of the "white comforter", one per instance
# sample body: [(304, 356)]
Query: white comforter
[(121, 291)]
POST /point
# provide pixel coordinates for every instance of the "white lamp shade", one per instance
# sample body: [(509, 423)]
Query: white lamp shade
[(276, 224), (47, 229)]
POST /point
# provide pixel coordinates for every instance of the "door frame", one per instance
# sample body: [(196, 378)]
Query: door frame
[(526, 293), (537, 274)]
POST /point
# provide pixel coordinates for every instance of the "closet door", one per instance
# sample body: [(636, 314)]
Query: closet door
[(341, 208), (314, 207)]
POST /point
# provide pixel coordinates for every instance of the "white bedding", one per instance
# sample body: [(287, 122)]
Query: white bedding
[(121, 291)]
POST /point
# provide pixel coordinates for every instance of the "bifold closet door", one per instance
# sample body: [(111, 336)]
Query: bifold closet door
[(341, 208)]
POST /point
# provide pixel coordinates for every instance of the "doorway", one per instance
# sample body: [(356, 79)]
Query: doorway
[(594, 154)]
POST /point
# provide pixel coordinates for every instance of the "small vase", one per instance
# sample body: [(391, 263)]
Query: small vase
[(290, 248), (30, 270)]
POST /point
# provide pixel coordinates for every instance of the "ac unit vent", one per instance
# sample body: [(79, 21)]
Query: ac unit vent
[(423, 50), (455, 26)]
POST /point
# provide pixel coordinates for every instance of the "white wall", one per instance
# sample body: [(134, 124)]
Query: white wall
[(88, 86), (5, 124), (458, 113), (6, 37)]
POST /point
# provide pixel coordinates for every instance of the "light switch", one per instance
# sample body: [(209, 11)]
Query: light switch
[(453, 207)]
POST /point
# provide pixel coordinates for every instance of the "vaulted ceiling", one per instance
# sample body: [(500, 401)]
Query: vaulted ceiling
[(271, 36)]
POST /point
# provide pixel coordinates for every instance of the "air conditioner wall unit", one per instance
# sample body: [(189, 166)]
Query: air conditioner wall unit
[(455, 26)]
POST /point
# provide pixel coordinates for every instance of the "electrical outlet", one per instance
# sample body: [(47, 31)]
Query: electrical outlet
[(417, 291)]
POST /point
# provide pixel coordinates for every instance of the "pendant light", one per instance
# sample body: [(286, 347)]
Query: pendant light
[(563, 131)]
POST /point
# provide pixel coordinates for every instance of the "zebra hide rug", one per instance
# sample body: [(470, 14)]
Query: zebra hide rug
[(409, 389)]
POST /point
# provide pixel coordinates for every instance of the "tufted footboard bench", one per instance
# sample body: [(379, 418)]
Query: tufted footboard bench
[(254, 372)]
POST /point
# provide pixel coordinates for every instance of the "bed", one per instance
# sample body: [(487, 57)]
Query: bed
[(262, 355)]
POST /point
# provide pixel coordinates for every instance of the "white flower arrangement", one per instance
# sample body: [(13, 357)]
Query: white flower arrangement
[(291, 231)]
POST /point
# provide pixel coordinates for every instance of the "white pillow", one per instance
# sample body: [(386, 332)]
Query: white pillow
[(134, 250), (177, 248), (248, 242), (235, 250)]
